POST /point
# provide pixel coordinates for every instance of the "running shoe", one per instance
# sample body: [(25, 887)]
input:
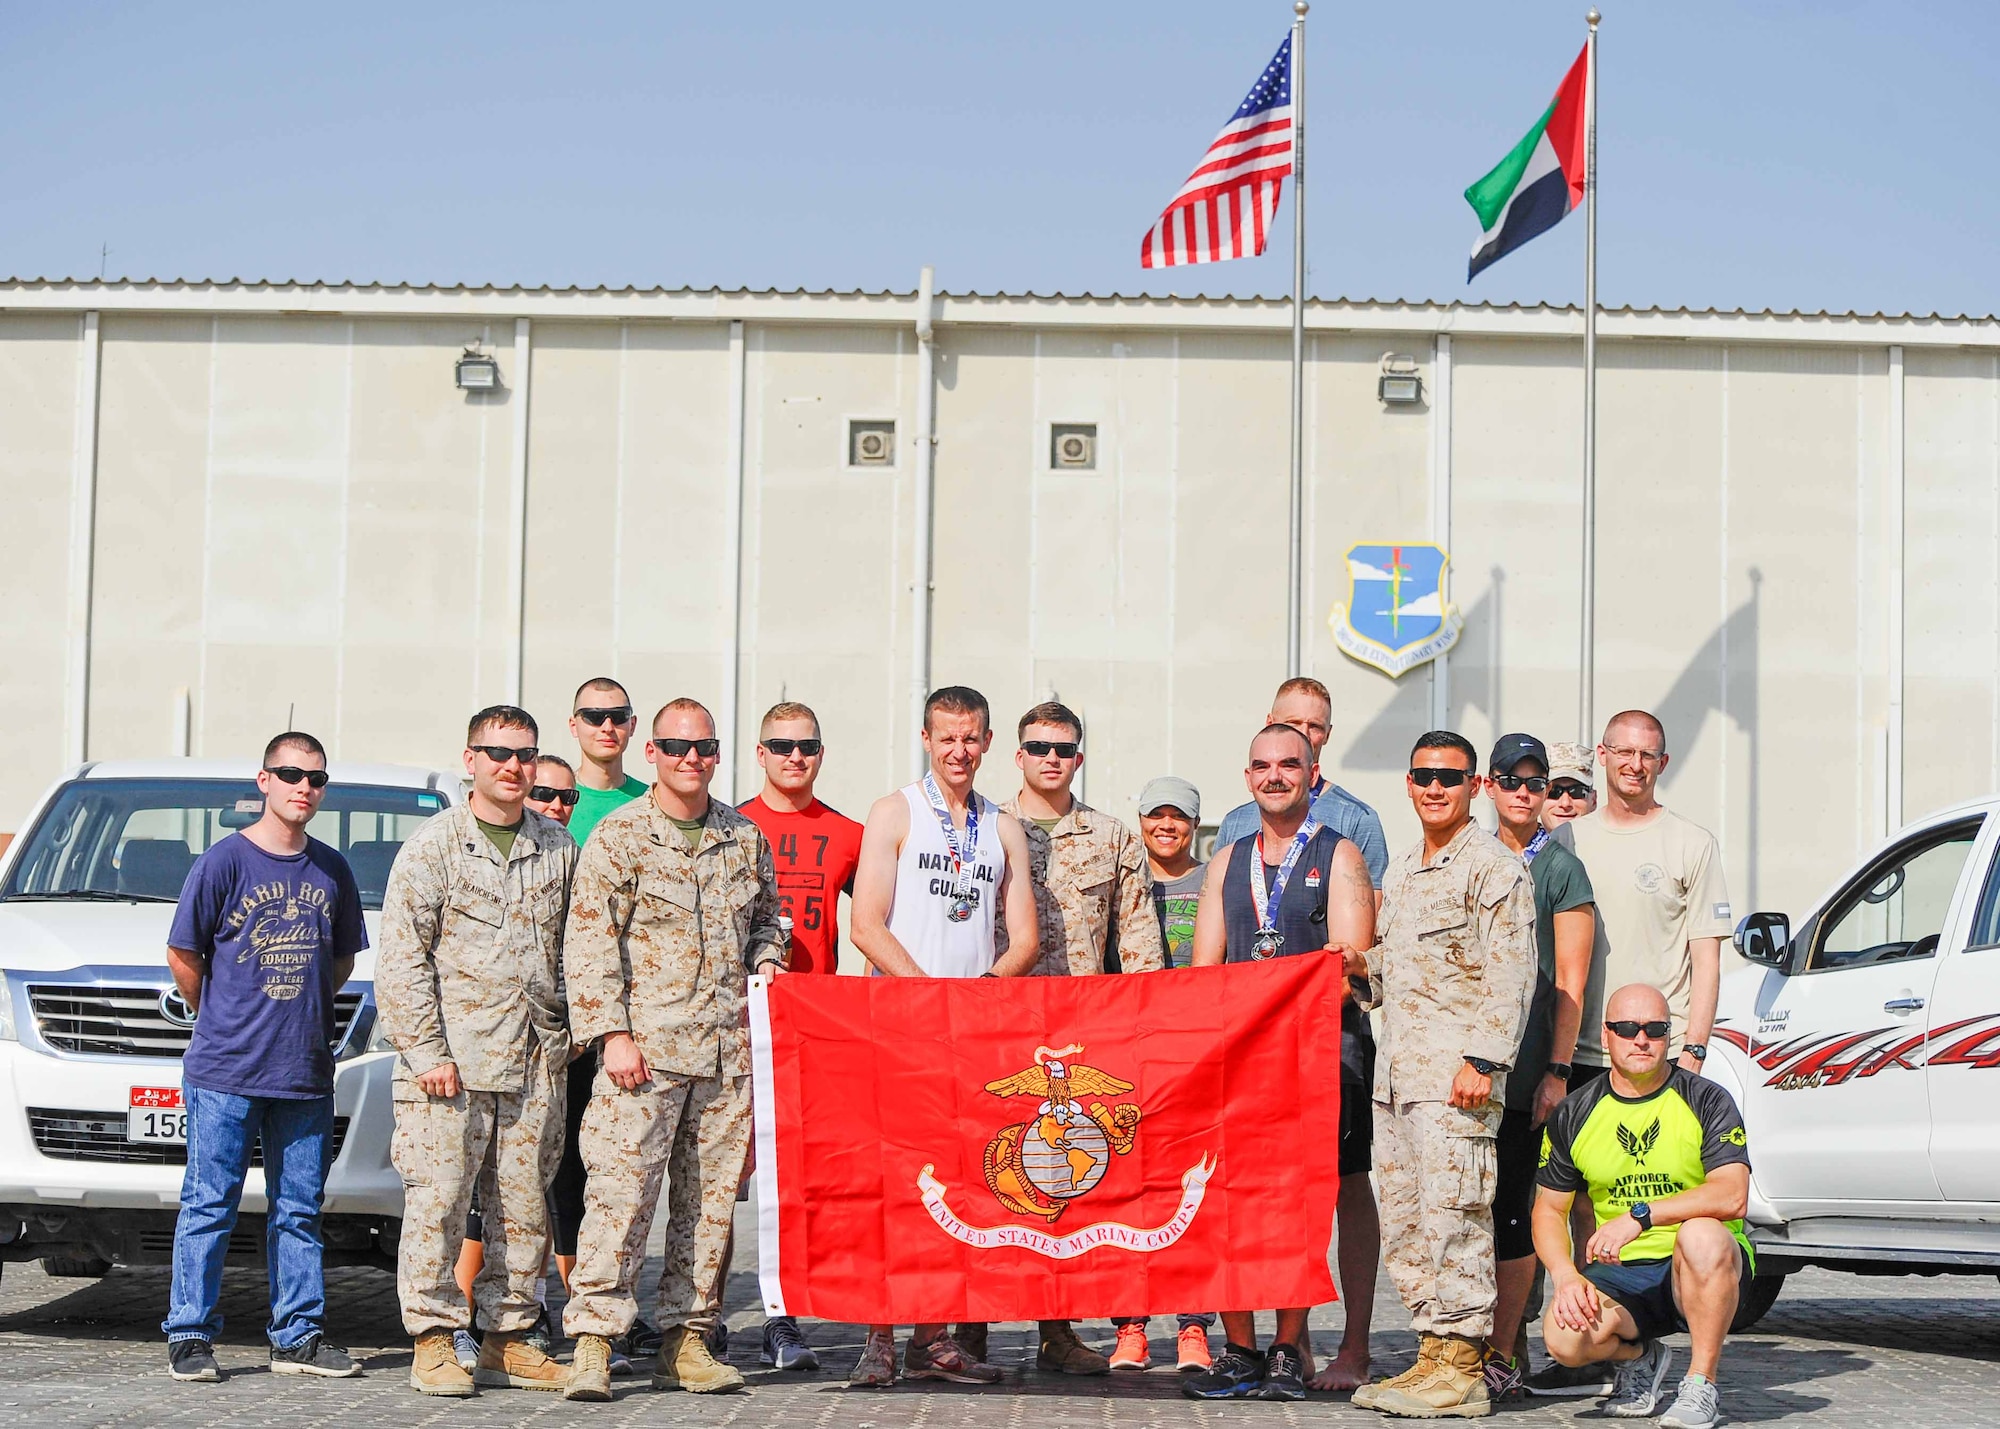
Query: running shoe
[(785, 1348), (1561, 1381), (314, 1356), (876, 1369), (1192, 1350), (1504, 1380), (943, 1359), (1238, 1373), (465, 1349), (192, 1360), (1637, 1393), (1695, 1407), (1284, 1374), (1131, 1351), (717, 1340)]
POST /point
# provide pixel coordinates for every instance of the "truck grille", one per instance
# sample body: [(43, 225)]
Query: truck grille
[(66, 1135), (99, 1021)]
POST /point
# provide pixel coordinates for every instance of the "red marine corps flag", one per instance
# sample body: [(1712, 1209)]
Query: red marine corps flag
[(939, 1149)]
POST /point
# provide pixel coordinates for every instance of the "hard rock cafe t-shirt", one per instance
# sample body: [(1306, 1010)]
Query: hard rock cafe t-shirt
[(268, 928)]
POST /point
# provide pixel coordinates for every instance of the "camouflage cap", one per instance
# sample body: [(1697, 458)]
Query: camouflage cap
[(1572, 761)]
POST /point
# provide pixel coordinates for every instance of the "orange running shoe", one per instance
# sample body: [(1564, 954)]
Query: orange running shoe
[(1131, 1351), (1193, 1346)]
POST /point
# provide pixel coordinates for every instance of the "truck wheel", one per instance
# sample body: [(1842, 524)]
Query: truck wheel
[(76, 1267), (1755, 1305)]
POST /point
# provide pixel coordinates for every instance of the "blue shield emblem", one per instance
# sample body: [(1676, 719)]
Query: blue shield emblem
[(1395, 617)]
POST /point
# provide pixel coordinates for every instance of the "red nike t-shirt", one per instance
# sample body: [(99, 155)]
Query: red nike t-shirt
[(816, 851)]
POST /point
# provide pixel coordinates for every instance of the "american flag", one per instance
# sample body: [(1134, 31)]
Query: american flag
[(1225, 208)]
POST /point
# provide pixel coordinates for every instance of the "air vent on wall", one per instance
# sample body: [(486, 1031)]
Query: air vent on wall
[(871, 443), (1073, 446)]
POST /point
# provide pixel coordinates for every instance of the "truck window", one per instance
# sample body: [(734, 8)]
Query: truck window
[(1986, 919), (1897, 907)]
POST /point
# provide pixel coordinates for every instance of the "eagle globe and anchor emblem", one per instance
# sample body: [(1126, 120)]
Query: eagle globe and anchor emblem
[(1038, 1168)]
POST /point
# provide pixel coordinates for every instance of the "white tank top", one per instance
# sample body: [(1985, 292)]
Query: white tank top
[(920, 915)]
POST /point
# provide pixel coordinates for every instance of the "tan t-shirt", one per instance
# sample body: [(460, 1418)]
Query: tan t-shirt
[(1658, 887)]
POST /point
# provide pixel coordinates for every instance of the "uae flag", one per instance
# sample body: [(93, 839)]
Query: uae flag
[(1534, 187), (1005, 1149)]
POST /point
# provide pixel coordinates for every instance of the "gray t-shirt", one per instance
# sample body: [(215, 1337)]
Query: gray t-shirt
[(1176, 901)]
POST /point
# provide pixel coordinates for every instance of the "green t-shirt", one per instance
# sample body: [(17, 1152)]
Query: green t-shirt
[(502, 835), (594, 804), (1560, 885), (1625, 1150), (1047, 826), (690, 830)]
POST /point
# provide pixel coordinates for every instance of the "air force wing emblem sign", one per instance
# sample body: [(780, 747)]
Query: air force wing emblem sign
[(1395, 617)]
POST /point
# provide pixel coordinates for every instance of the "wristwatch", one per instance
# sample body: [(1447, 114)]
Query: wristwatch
[(1562, 1072), (1641, 1212), (1482, 1066), (1696, 1050)]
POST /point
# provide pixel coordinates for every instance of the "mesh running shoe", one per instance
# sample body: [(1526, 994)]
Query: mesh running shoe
[(1238, 1373), (1695, 1407), (785, 1347), (1131, 1351), (1637, 1392)]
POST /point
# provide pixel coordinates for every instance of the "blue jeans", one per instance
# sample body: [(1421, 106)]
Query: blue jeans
[(298, 1146)]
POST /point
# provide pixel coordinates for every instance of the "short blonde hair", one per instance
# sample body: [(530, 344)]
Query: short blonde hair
[(786, 709), (1303, 685)]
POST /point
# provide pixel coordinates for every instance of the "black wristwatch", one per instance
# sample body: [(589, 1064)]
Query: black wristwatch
[(1696, 1050), (1562, 1072), (1641, 1212), (1482, 1066)]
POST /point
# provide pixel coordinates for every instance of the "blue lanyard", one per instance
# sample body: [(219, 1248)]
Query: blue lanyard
[(961, 860), (1535, 845), (1268, 900)]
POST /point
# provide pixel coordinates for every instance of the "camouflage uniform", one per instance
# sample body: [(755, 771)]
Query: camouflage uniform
[(658, 945), (1090, 879), (1453, 970), (471, 953)]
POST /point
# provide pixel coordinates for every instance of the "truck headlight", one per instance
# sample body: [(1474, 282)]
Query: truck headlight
[(7, 1033)]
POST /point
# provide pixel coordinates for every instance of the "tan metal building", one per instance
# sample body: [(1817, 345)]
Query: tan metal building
[(232, 501)]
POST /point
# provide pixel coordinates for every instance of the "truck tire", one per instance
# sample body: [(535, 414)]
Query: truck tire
[(76, 1267), (1755, 1305)]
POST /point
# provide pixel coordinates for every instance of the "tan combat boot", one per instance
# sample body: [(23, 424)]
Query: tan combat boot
[(589, 1369), (685, 1363), (1365, 1396), (1455, 1388), (435, 1369), (508, 1361)]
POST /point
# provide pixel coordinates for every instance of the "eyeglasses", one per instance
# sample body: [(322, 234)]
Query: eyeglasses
[(1625, 754), (1568, 789), (621, 714), (1629, 1029), (543, 794), (1533, 783), (1450, 778), (1042, 748), (680, 748), (501, 753), (807, 747), (291, 774)]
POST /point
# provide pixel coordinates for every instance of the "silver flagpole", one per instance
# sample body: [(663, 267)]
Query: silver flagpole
[(1587, 662), (1295, 605)]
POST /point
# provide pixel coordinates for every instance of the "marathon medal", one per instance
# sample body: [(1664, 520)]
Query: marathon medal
[(961, 858), (1264, 899)]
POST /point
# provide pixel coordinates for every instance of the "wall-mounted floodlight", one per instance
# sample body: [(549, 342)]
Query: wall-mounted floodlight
[(1399, 382), (477, 371)]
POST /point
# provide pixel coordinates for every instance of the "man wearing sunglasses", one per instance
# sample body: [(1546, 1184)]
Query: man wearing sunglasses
[(603, 724), (675, 904), (1660, 1153), (468, 989), (553, 795), (1454, 974), (1517, 783), (1572, 785), (267, 928)]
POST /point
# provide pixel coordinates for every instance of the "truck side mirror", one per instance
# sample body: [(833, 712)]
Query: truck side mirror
[(1764, 938)]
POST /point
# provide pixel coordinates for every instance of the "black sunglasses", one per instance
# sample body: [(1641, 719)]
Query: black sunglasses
[(291, 774), (679, 748), (807, 747), (1568, 789), (501, 753), (1628, 1029), (1042, 748), (1450, 778), (622, 714), (543, 794), (1535, 783)]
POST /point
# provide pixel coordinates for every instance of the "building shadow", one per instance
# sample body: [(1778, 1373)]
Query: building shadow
[(1722, 679)]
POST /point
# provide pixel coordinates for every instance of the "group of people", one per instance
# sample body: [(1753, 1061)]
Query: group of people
[(562, 974)]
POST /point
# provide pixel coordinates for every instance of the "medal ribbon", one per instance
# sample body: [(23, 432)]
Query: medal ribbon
[(961, 861), (1535, 845), (1267, 901)]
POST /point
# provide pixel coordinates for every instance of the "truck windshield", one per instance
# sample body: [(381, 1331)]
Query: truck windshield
[(133, 840)]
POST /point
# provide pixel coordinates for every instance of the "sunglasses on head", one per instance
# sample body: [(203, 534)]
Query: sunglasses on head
[(1450, 778), (620, 714), (1568, 789), (1042, 748), (679, 748), (807, 747), (291, 774), (543, 794), (1533, 783), (1628, 1029), (501, 753)]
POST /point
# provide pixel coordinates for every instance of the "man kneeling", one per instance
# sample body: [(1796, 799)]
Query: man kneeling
[(1662, 1155)]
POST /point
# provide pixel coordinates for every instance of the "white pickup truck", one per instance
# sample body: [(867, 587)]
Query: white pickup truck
[(1864, 1049), (93, 1136)]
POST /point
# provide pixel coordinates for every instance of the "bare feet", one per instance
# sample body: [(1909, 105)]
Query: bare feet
[(1347, 1370)]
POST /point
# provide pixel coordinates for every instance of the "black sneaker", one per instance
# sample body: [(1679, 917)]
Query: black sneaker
[(313, 1355), (193, 1360), (785, 1347), (641, 1342), (1284, 1374), (717, 1340), (542, 1334), (1238, 1373)]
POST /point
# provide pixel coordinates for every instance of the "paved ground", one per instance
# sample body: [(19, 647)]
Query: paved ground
[(1837, 1350)]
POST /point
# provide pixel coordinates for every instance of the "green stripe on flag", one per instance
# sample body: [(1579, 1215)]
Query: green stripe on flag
[(1489, 195)]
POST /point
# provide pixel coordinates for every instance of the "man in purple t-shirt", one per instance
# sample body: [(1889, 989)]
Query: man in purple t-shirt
[(268, 926)]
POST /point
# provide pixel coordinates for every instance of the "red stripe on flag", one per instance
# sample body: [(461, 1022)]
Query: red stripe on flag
[(1566, 132)]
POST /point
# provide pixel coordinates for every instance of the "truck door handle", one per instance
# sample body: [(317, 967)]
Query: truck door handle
[(1903, 1004)]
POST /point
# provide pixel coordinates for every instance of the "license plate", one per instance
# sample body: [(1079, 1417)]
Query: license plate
[(157, 1114)]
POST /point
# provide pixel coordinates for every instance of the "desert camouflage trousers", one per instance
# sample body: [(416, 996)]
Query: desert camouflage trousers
[(693, 1132), (1435, 1186), (508, 1144)]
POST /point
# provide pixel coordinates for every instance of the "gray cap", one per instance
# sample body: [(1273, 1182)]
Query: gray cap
[(1169, 792)]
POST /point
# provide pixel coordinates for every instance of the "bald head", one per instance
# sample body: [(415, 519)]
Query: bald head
[(1636, 1002), (1642, 1058)]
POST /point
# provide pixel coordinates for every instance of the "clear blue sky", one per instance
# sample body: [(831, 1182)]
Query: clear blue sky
[(1783, 155)]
